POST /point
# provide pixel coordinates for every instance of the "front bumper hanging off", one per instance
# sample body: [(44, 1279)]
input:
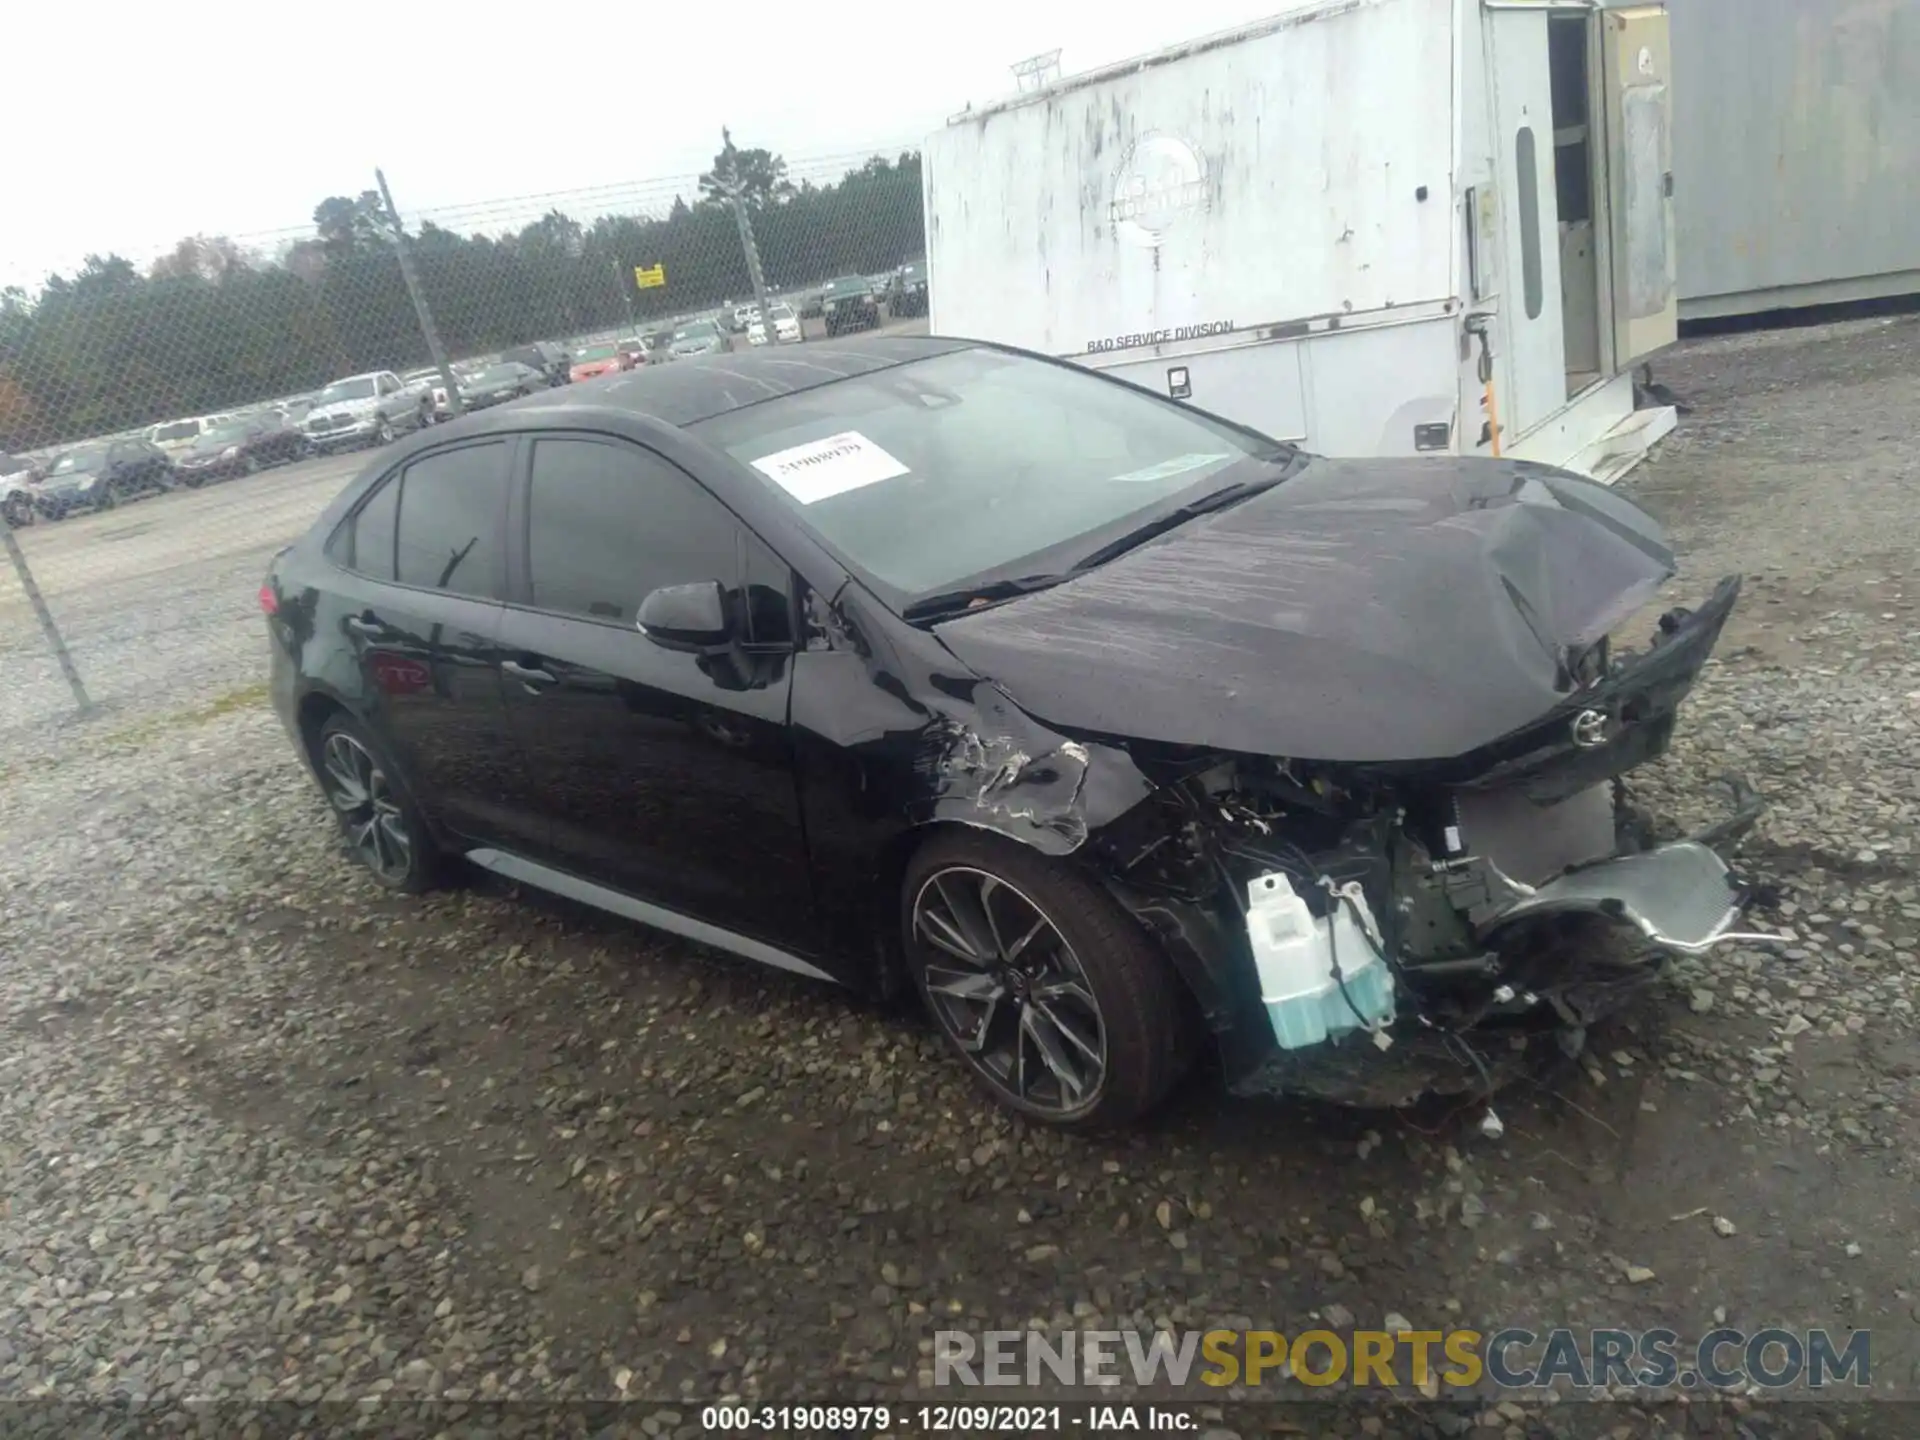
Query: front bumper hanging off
[(1682, 897), (1677, 898)]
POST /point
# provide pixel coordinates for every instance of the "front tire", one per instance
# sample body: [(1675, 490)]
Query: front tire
[(1059, 1003), (381, 825), (106, 499), (383, 433)]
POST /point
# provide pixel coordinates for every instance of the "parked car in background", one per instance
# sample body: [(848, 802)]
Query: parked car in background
[(743, 317), (700, 337), (240, 447), (907, 291), (369, 409), (428, 383), (786, 326), (591, 361), (550, 360), (175, 437), (851, 305), (497, 384), (18, 476), (100, 475)]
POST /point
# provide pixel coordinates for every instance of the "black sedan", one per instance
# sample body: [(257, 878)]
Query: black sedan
[(100, 475), (1106, 725), (553, 363), (500, 383), (240, 447)]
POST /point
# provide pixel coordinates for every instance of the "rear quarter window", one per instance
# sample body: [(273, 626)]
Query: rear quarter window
[(364, 541)]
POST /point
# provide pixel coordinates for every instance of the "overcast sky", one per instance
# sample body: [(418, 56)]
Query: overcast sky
[(137, 124)]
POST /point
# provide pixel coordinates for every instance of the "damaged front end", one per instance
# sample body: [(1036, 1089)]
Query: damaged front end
[(1369, 933)]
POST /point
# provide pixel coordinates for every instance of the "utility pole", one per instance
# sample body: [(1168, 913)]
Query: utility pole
[(736, 193), (626, 298), (55, 641), (419, 298)]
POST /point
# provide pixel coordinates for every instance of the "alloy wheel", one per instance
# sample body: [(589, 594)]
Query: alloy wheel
[(369, 809), (1009, 991)]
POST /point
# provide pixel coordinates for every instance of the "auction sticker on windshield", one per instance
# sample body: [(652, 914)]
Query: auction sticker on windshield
[(821, 469)]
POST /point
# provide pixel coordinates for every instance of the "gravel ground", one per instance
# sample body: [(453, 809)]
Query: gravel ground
[(270, 1134)]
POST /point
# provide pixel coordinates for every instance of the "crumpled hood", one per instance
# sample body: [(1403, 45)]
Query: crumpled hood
[(1364, 610)]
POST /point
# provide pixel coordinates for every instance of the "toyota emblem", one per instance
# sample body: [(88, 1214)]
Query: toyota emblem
[(1590, 729)]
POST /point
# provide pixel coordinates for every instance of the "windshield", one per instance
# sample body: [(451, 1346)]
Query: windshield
[(233, 430), (175, 430), (698, 330), (79, 462), (780, 312), (498, 375), (958, 466), (596, 352), (910, 273), (356, 389), (848, 285)]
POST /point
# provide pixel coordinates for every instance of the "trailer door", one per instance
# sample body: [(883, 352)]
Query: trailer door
[(1646, 303), (1532, 383)]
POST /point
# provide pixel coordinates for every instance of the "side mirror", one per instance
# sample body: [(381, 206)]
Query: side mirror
[(692, 619)]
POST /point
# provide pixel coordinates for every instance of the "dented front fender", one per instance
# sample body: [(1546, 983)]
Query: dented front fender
[(892, 734)]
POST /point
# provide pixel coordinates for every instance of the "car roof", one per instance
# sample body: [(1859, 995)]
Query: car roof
[(690, 391)]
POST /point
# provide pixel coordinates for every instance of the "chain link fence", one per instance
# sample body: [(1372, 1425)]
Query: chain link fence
[(166, 426)]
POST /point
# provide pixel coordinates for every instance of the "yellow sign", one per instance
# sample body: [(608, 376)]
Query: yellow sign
[(650, 277)]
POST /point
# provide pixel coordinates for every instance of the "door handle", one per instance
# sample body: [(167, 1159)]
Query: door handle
[(531, 676), (367, 625)]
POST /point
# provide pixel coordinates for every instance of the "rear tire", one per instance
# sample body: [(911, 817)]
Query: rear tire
[(18, 512), (1083, 992), (383, 829)]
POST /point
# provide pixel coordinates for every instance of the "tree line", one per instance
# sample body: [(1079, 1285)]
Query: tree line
[(209, 326)]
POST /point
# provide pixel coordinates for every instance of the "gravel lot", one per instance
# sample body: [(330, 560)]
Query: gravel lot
[(270, 1134)]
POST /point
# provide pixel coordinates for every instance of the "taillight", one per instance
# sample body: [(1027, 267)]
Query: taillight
[(269, 602)]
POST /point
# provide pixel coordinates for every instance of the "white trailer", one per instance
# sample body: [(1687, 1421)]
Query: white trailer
[(1375, 227)]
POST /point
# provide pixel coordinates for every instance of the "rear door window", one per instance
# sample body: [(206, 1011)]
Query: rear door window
[(451, 506)]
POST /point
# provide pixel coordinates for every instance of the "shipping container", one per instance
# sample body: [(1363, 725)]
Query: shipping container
[(1796, 152), (1375, 227)]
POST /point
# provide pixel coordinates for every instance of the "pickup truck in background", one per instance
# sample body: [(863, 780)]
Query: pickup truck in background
[(365, 410)]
